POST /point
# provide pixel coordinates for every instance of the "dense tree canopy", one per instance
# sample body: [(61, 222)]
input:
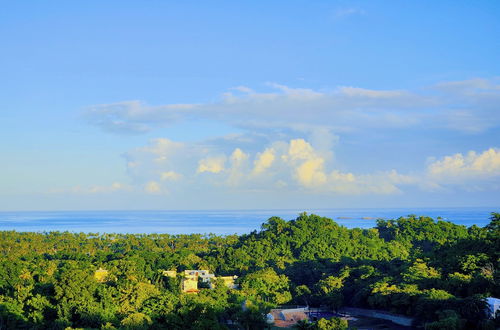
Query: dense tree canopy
[(435, 271)]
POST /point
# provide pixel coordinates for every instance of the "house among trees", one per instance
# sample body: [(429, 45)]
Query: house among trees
[(191, 278), (190, 284), (288, 317), (204, 275)]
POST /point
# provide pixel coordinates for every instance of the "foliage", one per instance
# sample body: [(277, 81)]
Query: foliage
[(266, 285), (334, 323), (435, 271)]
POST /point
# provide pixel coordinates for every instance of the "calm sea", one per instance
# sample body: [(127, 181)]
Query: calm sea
[(220, 222)]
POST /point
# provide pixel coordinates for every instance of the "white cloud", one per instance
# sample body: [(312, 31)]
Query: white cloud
[(288, 137), (264, 160), (160, 156), (134, 116), (94, 189), (239, 167), (462, 169), (470, 106), (373, 94), (153, 187), (162, 148), (238, 157), (170, 176), (243, 89), (295, 164), (306, 163), (309, 171), (470, 86), (211, 164), (299, 149)]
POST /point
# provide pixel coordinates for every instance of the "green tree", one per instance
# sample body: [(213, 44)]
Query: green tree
[(136, 321), (494, 225), (266, 285), (335, 323)]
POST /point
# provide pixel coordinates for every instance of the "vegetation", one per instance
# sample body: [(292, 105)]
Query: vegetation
[(435, 271)]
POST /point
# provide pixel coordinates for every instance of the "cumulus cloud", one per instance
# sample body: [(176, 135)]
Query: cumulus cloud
[(238, 157), (239, 167), (309, 171), (263, 160), (472, 168), (307, 165), (298, 164), (211, 164), (293, 165)]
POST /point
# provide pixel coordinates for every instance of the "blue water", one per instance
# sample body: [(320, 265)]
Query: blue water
[(222, 222)]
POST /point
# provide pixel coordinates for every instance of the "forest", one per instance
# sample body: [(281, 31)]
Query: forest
[(435, 271)]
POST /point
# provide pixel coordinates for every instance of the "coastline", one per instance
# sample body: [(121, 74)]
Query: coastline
[(220, 222)]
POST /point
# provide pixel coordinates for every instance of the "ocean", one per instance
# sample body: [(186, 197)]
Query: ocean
[(220, 222)]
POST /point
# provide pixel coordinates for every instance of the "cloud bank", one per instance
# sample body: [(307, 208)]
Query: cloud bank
[(289, 138), (163, 166)]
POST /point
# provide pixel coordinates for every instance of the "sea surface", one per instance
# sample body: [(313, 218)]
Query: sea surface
[(221, 222)]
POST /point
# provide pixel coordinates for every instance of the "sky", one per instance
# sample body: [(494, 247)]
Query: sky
[(133, 105)]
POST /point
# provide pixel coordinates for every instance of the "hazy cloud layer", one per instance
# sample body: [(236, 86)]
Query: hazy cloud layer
[(94, 189), (134, 116), (468, 106)]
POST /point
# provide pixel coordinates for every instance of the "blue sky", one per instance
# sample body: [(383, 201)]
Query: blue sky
[(258, 104)]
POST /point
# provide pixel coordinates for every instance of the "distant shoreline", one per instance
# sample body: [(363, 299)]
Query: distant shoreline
[(223, 222)]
